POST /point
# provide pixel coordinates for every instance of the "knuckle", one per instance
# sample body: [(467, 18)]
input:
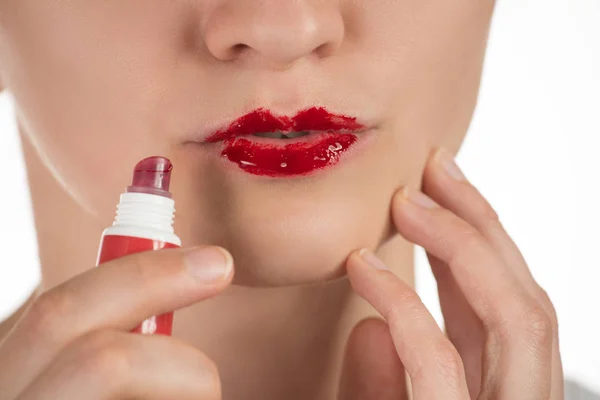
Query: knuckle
[(449, 363), (408, 298), (138, 264), (403, 302), (494, 342), (105, 356), (149, 267), (419, 370), (211, 381), (467, 240), (549, 307), (537, 326), (46, 315), (445, 363)]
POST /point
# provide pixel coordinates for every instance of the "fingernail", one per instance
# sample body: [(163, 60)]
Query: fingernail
[(371, 259), (446, 160), (208, 264), (418, 198)]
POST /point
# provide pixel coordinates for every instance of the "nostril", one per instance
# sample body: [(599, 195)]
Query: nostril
[(234, 52), (239, 48), (324, 50)]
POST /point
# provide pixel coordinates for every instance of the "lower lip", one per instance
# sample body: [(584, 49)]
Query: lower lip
[(285, 160)]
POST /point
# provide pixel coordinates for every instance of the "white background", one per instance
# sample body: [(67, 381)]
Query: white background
[(532, 150)]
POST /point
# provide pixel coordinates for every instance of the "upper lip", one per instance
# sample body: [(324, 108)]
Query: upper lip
[(315, 119)]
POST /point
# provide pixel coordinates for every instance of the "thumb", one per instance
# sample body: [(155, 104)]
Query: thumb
[(372, 369)]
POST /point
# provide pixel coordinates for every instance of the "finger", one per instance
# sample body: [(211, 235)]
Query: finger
[(372, 369), (117, 295), (463, 326), (445, 183), (514, 321), (118, 365), (433, 364)]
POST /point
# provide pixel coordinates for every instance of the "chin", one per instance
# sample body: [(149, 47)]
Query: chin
[(289, 262), (296, 248)]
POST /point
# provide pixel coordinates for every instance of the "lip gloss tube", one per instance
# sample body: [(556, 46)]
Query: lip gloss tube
[(144, 222)]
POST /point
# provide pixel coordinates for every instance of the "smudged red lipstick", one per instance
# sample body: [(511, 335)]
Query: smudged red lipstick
[(261, 143)]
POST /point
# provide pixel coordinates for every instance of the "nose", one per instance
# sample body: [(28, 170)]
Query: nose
[(276, 32)]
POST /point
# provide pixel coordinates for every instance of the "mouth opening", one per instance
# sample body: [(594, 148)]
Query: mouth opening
[(282, 135)]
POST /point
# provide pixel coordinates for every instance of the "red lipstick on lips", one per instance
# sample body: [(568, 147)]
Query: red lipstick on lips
[(330, 135)]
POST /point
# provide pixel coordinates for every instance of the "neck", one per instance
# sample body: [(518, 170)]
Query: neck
[(268, 343)]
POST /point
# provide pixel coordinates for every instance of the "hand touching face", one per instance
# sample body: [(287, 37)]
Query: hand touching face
[(502, 340)]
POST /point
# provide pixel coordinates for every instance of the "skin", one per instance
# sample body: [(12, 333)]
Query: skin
[(99, 85)]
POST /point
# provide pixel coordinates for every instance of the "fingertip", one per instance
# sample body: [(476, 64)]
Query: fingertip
[(352, 260), (412, 212), (365, 259), (366, 334), (401, 195), (209, 264), (368, 328), (372, 368), (439, 154), (400, 199), (229, 262)]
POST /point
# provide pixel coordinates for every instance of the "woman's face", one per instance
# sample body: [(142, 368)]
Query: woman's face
[(100, 84)]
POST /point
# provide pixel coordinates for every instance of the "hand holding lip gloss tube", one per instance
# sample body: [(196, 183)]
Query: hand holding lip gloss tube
[(74, 339), (144, 222)]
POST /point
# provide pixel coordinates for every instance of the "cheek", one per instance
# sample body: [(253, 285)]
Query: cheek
[(88, 101), (425, 61)]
